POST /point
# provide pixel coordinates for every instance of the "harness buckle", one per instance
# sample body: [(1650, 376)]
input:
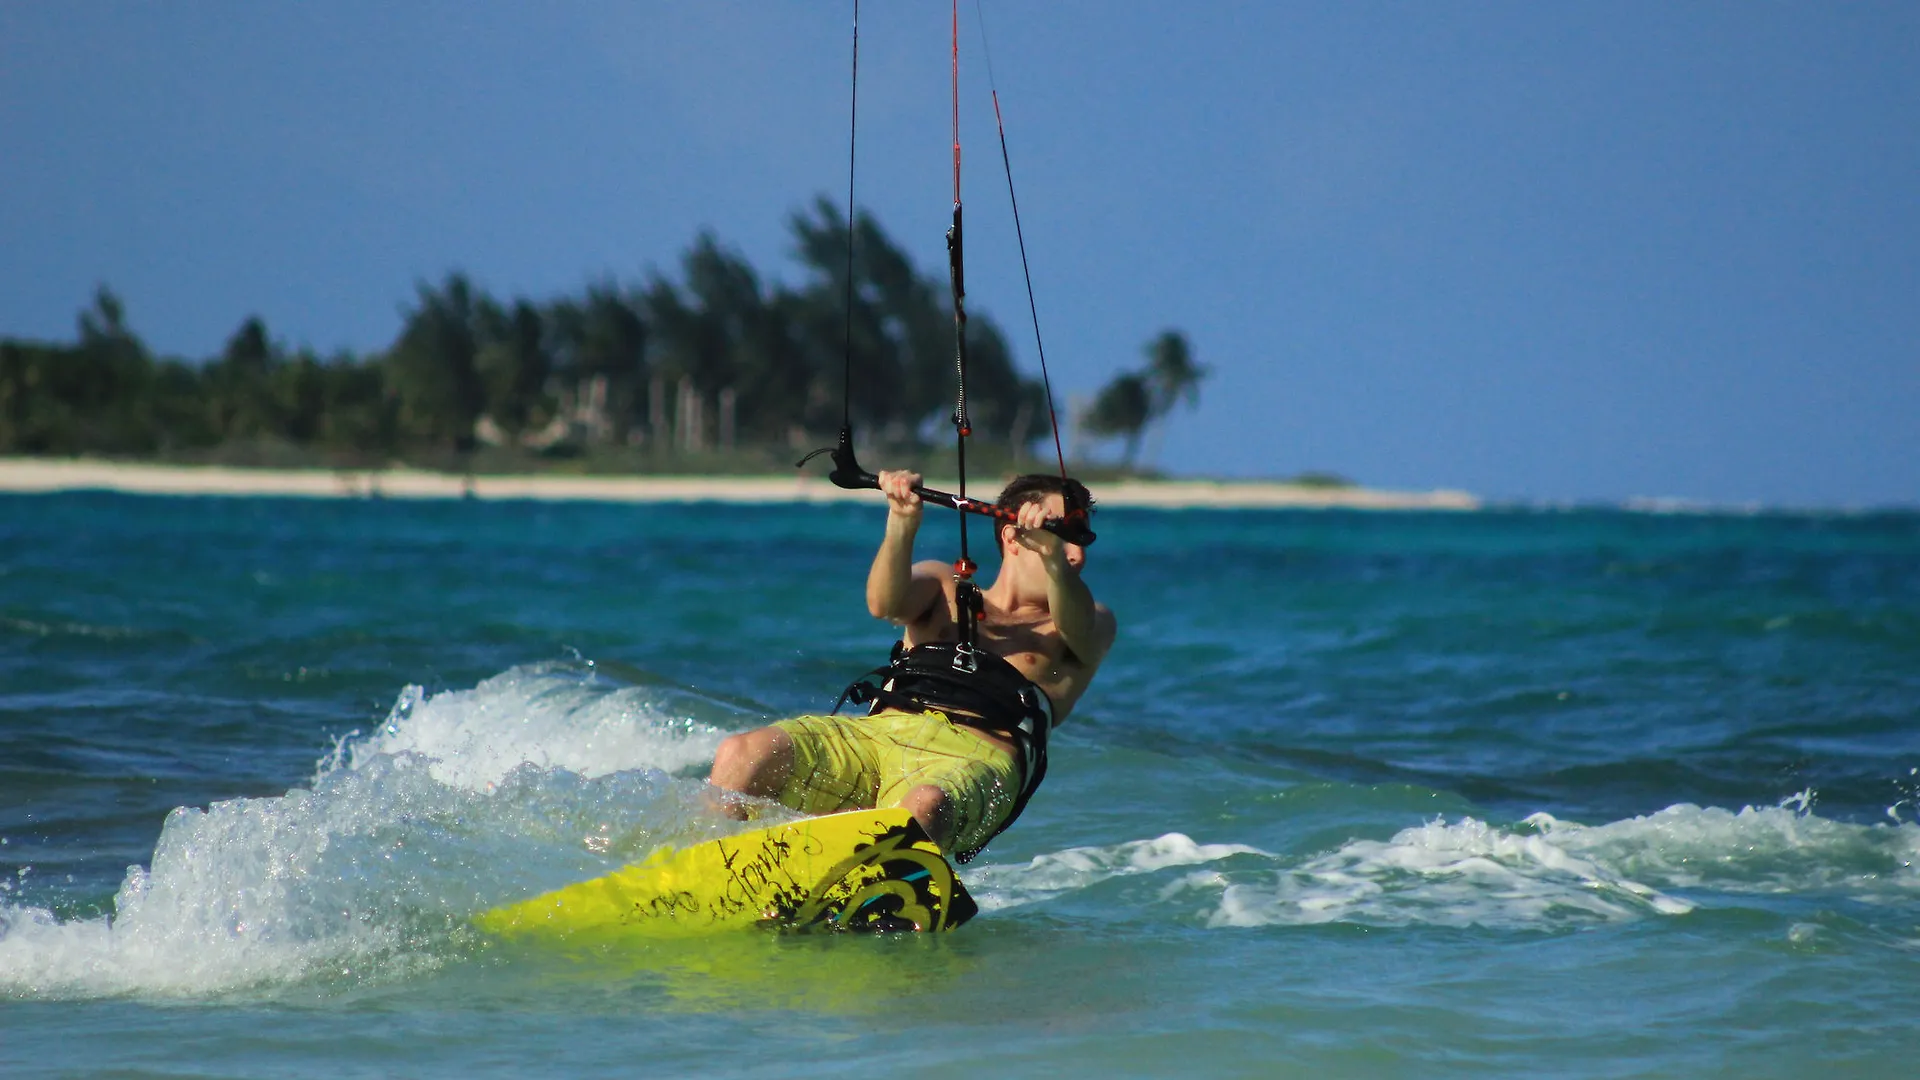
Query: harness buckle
[(966, 658)]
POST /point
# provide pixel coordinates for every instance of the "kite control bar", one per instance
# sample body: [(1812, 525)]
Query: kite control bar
[(848, 474)]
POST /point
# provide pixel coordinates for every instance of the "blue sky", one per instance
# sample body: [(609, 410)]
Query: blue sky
[(1546, 251)]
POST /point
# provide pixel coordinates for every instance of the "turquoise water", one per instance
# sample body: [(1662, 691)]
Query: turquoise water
[(1512, 793)]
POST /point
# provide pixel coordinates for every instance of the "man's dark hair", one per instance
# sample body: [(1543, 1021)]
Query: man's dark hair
[(1034, 487)]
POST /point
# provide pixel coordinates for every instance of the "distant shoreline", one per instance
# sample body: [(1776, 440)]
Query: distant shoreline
[(37, 475)]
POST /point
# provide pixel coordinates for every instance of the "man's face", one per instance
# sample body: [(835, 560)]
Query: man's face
[(1056, 505)]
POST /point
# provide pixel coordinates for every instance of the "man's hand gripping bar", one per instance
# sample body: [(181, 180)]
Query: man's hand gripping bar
[(848, 474)]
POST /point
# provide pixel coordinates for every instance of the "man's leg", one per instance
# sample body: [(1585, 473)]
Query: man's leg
[(755, 762), (931, 807), (957, 783)]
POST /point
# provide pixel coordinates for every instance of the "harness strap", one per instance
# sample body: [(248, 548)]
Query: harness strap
[(943, 677)]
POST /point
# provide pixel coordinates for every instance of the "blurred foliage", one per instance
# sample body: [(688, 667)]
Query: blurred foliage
[(712, 369), (1317, 479), (1125, 407)]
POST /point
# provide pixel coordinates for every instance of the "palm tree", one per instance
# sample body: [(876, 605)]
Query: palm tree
[(605, 335), (1171, 374), (240, 383), (1123, 407), (902, 339), (1130, 403), (432, 364), (513, 362)]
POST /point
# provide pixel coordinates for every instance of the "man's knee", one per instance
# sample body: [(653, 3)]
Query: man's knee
[(933, 808), (755, 762)]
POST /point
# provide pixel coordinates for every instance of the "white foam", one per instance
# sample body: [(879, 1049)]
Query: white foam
[(1774, 849), (548, 716), (461, 800), (238, 894), (1463, 874), (1000, 887), (1549, 874)]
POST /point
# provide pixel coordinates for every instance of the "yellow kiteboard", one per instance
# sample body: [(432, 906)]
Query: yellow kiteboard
[(871, 870)]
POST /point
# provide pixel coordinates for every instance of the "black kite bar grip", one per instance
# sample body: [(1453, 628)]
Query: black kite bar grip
[(848, 474)]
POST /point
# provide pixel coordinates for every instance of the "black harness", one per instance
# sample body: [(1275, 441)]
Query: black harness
[(972, 687)]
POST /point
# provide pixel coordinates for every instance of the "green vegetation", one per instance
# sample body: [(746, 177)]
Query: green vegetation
[(1126, 406), (713, 370), (1316, 479)]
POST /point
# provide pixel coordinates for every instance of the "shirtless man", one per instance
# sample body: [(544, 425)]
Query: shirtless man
[(957, 761)]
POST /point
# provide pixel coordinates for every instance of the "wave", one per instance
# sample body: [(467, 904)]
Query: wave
[(1542, 874), (56, 628), (552, 715), (536, 777), (542, 776), (999, 888)]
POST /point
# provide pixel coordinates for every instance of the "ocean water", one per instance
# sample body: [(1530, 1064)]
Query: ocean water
[(1511, 793)]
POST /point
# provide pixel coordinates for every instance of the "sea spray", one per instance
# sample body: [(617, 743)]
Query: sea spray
[(1467, 873), (1048, 876), (1542, 874), (459, 801), (555, 716), (1756, 850)]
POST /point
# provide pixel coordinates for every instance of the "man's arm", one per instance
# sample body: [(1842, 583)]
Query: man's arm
[(1086, 627), (897, 591)]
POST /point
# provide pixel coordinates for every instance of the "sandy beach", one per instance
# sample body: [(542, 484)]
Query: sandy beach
[(30, 475)]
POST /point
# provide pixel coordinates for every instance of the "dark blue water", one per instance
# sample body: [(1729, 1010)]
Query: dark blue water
[(1503, 793)]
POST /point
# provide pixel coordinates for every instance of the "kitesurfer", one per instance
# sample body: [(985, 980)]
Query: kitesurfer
[(956, 737)]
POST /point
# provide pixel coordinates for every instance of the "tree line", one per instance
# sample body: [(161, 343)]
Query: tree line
[(717, 359)]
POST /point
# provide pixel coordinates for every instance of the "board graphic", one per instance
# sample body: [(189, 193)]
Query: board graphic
[(870, 870)]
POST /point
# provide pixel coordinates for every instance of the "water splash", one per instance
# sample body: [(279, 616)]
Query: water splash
[(534, 778), (554, 716), (1909, 796), (1755, 850), (1046, 876), (1542, 874), (1468, 873)]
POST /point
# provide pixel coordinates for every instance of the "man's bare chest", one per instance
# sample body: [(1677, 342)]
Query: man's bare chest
[(1028, 640)]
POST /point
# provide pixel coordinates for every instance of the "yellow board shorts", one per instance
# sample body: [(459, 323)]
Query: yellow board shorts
[(859, 762)]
